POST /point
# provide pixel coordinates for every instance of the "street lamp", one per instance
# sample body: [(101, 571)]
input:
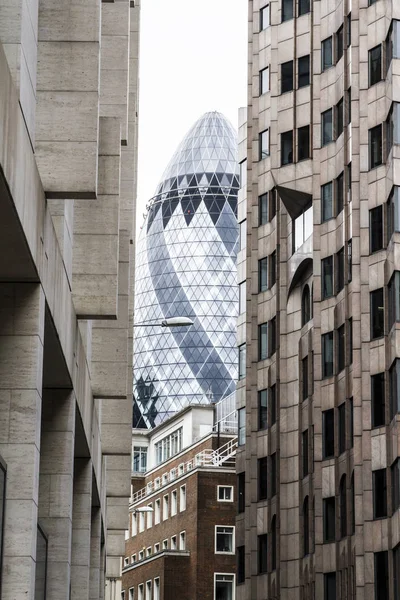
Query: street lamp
[(171, 322)]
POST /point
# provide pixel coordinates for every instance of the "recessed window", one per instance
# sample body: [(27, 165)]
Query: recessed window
[(165, 507), (148, 590), (306, 528), (375, 146), (304, 7), (393, 212), (225, 493), (173, 543), (182, 540), (393, 42), (394, 388), (304, 452), (286, 148), (273, 543), (131, 595), (165, 544), (148, 551), (395, 471), (381, 568), (242, 361), (264, 81), (156, 589), (287, 77), (329, 519), (240, 564), (266, 207), (350, 337), (327, 53), (141, 522), (376, 229), (351, 424), (348, 104), (339, 193), (263, 478), (126, 562), (263, 553), (182, 498), (272, 269), (263, 409), (396, 572), (339, 117), (139, 459), (303, 143), (241, 491), (305, 305), (157, 511), (274, 474), (327, 201), (348, 33), (327, 276), (327, 127), (329, 586), (327, 354), (378, 399), (241, 426), (264, 17), (343, 506), (304, 375), (242, 297), (339, 270), (379, 489), (349, 260), (263, 274), (303, 71), (287, 10), (342, 427), (134, 523), (341, 348), (224, 585), (375, 64), (328, 433), (393, 127), (224, 539), (156, 548), (174, 502), (377, 314), (339, 43), (150, 517), (141, 591), (266, 339), (263, 144)]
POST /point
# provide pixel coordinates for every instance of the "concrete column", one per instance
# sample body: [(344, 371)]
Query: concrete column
[(56, 486), (21, 356), (81, 527), (95, 554)]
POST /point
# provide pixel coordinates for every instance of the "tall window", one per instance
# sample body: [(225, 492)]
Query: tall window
[(343, 506), (242, 361), (375, 65), (274, 474), (327, 127), (328, 433), (224, 539), (377, 314), (263, 341), (327, 276), (303, 68), (379, 489), (339, 193), (393, 211), (266, 207), (381, 564), (340, 270), (263, 274), (263, 409), (224, 586), (263, 144), (273, 543), (339, 43), (327, 354), (263, 478), (139, 459), (327, 201), (394, 299), (352, 505), (264, 81), (287, 10), (272, 403), (376, 229), (393, 42), (242, 297), (378, 399), (375, 146), (306, 528), (263, 553), (342, 427), (302, 227), (329, 519), (241, 492), (287, 148), (339, 117), (303, 143), (264, 17), (241, 426), (304, 377), (305, 305), (341, 348), (240, 564), (272, 269), (329, 586), (304, 452), (182, 498), (396, 572), (327, 53), (394, 387), (349, 260), (286, 77)]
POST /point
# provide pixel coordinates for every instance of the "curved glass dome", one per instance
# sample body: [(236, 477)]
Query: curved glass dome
[(186, 267)]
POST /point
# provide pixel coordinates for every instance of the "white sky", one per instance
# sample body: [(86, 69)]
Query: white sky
[(193, 59)]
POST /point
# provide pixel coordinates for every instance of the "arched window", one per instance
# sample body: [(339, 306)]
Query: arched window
[(352, 506), (273, 543), (305, 306), (306, 528), (343, 507)]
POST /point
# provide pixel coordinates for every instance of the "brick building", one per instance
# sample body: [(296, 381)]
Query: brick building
[(184, 470)]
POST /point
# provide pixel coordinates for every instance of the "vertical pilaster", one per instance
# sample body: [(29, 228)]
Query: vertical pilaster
[(81, 529)]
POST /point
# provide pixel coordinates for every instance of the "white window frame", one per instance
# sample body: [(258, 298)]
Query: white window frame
[(165, 544), (126, 534), (141, 522), (149, 589), (126, 561), (156, 547), (141, 555), (233, 583), (133, 558), (181, 469), (134, 524), (233, 539), (174, 502), (156, 587), (157, 511), (148, 551), (182, 536), (221, 487), (131, 593), (122, 594), (174, 542), (165, 508), (182, 494), (141, 591), (150, 517)]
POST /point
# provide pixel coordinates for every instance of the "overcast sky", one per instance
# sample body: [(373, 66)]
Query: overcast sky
[(193, 59)]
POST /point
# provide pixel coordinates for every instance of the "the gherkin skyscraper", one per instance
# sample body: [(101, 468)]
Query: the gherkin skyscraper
[(186, 266)]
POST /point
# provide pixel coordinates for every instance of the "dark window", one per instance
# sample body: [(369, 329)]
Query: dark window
[(329, 519), (378, 399), (329, 586), (241, 492), (304, 7), (304, 452), (339, 117), (349, 181), (339, 43), (393, 211), (273, 474), (263, 144), (375, 147), (241, 426), (381, 575), (327, 276), (394, 299), (375, 65), (349, 106), (303, 67), (242, 235), (240, 555), (327, 127), (272, 402), (351, 418), (376, 229), (263, 274), (306, 528), (305, 306), (263, 341), (264, 17), (272, 269), (396, 572), (327, 53), (327, 354), (304, 368), (303, 141), (352, 505), (340, 270), (286, 148), (395, 470), (271, 336), (348, 33), (263, 209), (339, 193), (342, 427), (349, 260), (264, 81), (327, 201), (242, 361), (263, 409), (286, 76), (393, 42), (377, 314), (379, 489), (328, 433), (394, 388), (273, 543), (287, 10), (263, 478), (263, 553), (343, 506)]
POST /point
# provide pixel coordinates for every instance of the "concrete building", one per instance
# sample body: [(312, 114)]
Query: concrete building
[(184, 471), (68, 148), (318, 391)]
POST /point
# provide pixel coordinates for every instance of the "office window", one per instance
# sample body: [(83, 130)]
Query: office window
[(264, 81), (327, 354), (148, 590), (139, 457), (242, 361), (131, 593), (394, 388), (328, 433), (304, 452), (348, 33), (272, 403), (303, 68), (327, 201), (286, 148), (376, 229), (341, 348), (242, 297), (224, 539), (241, 492), (378, 399), (165, 507), (263, 341), (306, 528), (287, 77), (165, 544), (241, 426), (225, 493), (329, 586), (273, 543), (242, 235), (327, 127), (395, 470), (348, 96), (303, 143), (240, 564), (243, 173), (329, 519), (272, 269), (339, 117), (263, 409), (274, 474), (272, 336), (379, 490), (264, 17), (339, 43), (394, 299), (263, 478), (393, 127), (327, 53), (263, 144), (156, 589), (343, 506), (263, 209), (342, 427), (327, 276), (381, 565), (339, 193), (182, 540), (393, 211), (393, 42), (141, 591), (287, 10), (375, 65), (170, 445), (304, 377), (375, 146), (224, 585), (174, 545), (174, 502), (263, 553), (340, 270), (182, 498), (263, 274), (351, 425), (377, 314), (305, 305), (304, 7), (396, 572)]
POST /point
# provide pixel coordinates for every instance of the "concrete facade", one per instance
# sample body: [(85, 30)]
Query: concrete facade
[(68, 163), (318, 330)]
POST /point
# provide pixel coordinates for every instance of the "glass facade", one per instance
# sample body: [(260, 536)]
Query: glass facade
[(186, 267)]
